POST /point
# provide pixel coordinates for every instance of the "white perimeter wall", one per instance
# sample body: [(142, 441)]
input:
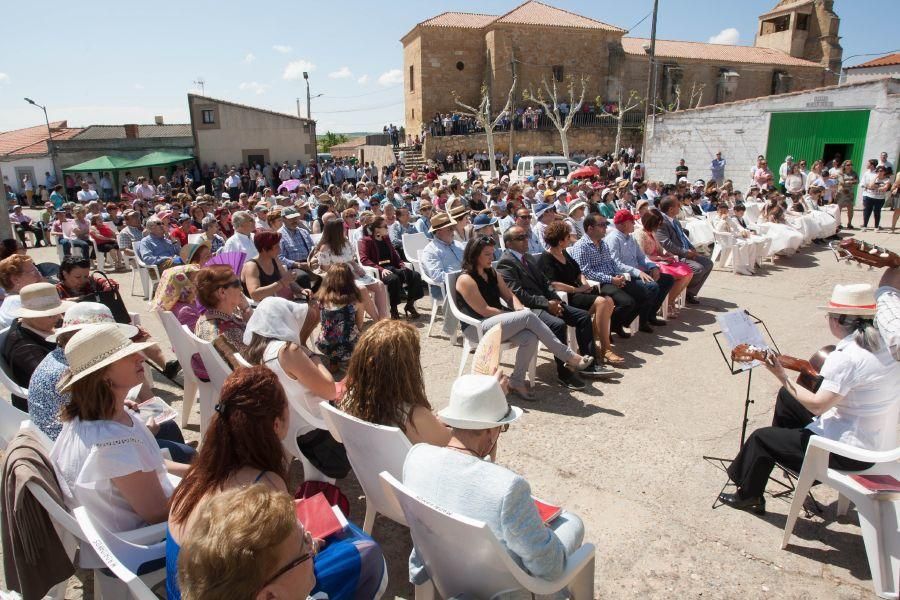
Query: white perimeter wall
[(39, 164), (740, 130)]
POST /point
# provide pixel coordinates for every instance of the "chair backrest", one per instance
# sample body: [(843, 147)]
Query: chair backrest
[(315, 237), (461, 555), (425, 276), (181, 344), (450, 290), (5, 371), (216, 367), (726, 240), (11, 420), (194, 238), (121, 557), (371, 449), (413, 243), (137, 254)]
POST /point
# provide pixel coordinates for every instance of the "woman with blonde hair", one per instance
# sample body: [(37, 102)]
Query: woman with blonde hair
[(377, 392), (247, 543)]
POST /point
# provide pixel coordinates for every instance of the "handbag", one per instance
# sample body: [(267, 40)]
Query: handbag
[(109, 298)]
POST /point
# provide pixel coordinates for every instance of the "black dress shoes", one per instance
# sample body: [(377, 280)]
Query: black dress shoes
[(691, 299), (755, 505), (645, 328), (657, 322), (620, 331)]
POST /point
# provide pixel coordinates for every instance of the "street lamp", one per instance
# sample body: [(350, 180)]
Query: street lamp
[(49, 133), (308, 103)]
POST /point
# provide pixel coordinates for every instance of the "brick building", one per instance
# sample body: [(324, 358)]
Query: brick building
[(796, 48)]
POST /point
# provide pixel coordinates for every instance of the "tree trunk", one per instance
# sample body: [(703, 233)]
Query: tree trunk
[(619, 126), (489, 132), (564, 138)]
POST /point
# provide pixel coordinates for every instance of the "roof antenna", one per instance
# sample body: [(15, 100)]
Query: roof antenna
[(202, 84)]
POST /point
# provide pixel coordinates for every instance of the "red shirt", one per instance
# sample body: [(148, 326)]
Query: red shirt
[(177, 233)]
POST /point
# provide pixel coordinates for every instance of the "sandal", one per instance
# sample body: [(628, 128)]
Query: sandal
[(612, 358), (523, 392)]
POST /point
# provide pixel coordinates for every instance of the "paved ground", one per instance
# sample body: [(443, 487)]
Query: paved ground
[(627, 455)]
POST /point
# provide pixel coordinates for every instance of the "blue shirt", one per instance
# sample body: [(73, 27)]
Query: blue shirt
[(627, 254), (44, 401), (294, 246), (440, 258), (595, 260), (396, 231), (153, 250), (535, 244), (717, 167), (423, 225)]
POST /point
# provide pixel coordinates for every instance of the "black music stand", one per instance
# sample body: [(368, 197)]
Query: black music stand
[(722, 462)]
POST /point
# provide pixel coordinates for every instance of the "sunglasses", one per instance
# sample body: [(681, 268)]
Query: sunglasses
[(526, 217), (288, 567), (518, 238), (234, 283)]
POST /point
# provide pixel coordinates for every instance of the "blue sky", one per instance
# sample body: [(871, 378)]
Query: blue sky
[(124, 62)]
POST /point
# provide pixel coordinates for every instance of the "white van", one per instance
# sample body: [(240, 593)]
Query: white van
[(529, 166)]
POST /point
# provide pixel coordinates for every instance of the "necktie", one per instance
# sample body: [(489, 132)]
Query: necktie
[(684, 239)]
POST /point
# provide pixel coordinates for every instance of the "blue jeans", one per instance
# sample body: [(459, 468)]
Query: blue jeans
[(170, 437)]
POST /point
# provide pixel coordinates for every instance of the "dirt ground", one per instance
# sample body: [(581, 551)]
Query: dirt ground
[(626, 454)]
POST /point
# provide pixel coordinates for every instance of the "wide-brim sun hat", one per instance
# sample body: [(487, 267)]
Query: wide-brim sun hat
[(478, 402), (852, 299), (576, 205), (41, 300), (83, 314), (440, 221), (96, 347)]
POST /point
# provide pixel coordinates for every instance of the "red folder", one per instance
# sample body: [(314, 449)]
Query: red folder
[(548, 512), (317, 516), (878, 483)]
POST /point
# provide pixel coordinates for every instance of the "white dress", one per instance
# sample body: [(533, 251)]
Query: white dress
[(786, 240), (88, 455), (743, 252)]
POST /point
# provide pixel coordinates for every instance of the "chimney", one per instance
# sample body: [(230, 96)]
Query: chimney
[(131, 131), (158, 119)]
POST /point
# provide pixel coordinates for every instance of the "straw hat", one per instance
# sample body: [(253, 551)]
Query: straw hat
[(96, 347), (440, 221), (83, 314), (189, 250), (458, 212), (41, 300), (852, 299), (478, 402), (576, 205)]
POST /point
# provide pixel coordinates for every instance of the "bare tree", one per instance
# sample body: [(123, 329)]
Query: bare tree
[(634, 101), (485, 118), (550, 104), (694, 100)]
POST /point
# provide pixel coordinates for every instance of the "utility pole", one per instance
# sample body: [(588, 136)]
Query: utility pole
[(298, 109), (308, 101), (650, 106), (512, 108)]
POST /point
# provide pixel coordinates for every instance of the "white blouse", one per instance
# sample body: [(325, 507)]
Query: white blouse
[(866, 416), (327, 257), (88, 455)]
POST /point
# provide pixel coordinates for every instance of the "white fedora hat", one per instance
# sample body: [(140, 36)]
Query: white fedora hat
[(83, 314), (852, 299), (95, 347), (478, 402), (41, 300)]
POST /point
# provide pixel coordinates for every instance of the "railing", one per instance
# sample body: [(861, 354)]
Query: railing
[(582, 120)]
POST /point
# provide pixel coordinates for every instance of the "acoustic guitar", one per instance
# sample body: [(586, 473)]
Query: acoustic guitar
[(864, 253), (808, 370)]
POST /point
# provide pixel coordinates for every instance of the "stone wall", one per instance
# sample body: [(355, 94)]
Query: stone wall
[(589, 140), (741, 129)]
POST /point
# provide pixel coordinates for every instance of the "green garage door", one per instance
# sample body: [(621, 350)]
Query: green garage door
[(813, 136)]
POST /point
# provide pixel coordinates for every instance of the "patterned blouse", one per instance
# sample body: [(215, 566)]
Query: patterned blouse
[(212, 324), (44, 401)]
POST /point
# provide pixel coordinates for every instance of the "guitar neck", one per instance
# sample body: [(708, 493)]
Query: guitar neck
[(797, 364)]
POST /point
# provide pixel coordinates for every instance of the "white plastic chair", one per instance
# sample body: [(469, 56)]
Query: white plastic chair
[(723, 249), (298, 414), (11, 420), (315, 237), (194, 238), (124, 559), (450, 291), (143, 270), (101, 265), (463, 556), (435, 305), (217, 371), (413, 244), (879, 513), (184, 350), (6, 373), (372, 449)]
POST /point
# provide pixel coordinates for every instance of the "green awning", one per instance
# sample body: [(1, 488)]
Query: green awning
[(101, 163), (159, 159)]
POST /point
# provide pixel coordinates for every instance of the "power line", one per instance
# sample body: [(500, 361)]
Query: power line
[(332, 112), (387, 89), (630, 29)]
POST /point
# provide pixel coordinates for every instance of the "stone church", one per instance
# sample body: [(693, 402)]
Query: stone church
[(796, 47)]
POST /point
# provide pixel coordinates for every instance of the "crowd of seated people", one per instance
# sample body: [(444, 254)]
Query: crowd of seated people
[(539, 257)]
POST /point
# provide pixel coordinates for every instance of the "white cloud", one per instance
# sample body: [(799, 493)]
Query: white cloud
[(363, 80), (392, 77), (4, 78), (252, 86), (281, 49), (138, 86), (294, 69), (342, 73), (729, 36), (249, 58)]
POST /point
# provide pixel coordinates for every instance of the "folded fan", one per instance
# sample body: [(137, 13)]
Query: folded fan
[(235, 260)]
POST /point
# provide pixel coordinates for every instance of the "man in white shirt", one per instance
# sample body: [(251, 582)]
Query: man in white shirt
[(884, 162), (233, 183), (285, 173), (242, 240), (87, 194), (784, 169)]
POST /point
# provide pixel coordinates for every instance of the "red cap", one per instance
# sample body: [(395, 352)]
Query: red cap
[(622, 215)]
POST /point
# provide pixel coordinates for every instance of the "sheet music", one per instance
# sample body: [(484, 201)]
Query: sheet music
[(738, 328)]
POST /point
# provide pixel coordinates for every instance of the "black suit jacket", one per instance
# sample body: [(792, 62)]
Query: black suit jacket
[(527, 283)]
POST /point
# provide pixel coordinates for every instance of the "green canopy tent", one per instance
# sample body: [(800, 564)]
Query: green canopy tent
[(158, 159), (101, 163)]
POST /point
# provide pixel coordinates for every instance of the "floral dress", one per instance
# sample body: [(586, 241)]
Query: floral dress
[(338, 334)]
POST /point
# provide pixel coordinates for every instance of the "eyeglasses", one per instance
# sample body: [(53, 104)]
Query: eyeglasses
[(603, 224), (234, 283), (526, 217), (518, 238), (288, 567)]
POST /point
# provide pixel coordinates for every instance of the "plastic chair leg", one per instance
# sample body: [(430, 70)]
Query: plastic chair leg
[(190, 395), (843, 505), (310, 472), (878, 522), (369, 521), (582, 585), (434, 312), (145, 284), (465, 356), (109, 588), (58, 591), (804, 482)]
